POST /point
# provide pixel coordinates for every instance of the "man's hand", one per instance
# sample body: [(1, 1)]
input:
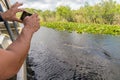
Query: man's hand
[(31, 23), (10, 15)]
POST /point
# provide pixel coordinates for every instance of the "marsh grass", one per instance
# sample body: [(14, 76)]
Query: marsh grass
[(83, 28)]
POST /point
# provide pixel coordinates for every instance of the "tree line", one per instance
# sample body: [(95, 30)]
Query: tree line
[(105, 12)]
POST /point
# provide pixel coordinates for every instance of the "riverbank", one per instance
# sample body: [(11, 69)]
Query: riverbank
[(84, 28)]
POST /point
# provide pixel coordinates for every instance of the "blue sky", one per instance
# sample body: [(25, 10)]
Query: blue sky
[(52, 4)]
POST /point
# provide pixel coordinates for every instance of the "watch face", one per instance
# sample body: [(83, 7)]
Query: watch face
[(24, 14)]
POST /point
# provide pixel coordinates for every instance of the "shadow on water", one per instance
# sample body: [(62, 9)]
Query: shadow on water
[(58, 55)]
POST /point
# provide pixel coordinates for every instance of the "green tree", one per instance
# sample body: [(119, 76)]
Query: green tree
[(108, 11), (48, 15), (64, 13)]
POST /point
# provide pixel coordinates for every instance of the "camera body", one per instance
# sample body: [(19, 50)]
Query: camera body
[(24, 14)]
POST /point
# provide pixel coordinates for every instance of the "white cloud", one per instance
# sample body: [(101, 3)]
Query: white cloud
[(38, 5)]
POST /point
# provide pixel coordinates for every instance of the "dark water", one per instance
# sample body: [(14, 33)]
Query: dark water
[(58, 55)]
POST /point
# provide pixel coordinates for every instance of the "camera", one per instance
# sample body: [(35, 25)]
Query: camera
[(24, 14)]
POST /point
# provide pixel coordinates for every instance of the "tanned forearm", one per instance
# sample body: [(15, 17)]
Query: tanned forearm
[(16, 54), (21, 46)]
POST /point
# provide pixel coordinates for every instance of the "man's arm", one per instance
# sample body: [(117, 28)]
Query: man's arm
[(13, 57)]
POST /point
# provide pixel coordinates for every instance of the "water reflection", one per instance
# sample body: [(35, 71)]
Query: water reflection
[(58, 55)]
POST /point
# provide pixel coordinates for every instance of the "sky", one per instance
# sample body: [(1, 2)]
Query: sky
[(52, 4)]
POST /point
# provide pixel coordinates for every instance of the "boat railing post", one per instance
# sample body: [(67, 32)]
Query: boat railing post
[(14, 23)]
